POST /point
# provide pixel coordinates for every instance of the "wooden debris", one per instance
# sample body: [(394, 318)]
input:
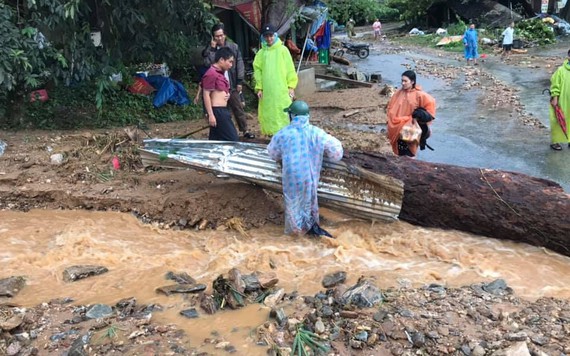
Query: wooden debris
[(344, 80), (351, 113)]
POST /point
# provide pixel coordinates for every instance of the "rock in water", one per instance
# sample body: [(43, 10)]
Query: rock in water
[(78, 348), (180, 278), (75, 273), (98, 311), (334, 279), (182, 288), (251, 282), (363, 295), (496, 287), (191, 313), (9, 287)]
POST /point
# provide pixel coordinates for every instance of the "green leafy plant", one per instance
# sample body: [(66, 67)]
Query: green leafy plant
[(534, 30), (306, 339), (361, 11), (457, 28), (411, 10)]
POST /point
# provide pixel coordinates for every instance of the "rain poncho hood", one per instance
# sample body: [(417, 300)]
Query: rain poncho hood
[(274, 74), (300, 147), (400, 109), (560, 87)]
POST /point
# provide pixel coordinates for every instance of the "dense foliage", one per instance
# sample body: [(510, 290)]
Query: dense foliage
[(361, 11), (49, 42), (410, 10), (535, 31)]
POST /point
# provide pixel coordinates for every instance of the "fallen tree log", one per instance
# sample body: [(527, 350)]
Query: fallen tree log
[(493, 203)]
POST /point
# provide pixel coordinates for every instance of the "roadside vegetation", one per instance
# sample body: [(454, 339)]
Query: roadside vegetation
[(48, 44), (531, 32)]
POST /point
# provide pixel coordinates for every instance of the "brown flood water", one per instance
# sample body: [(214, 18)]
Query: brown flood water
[(41, 244)]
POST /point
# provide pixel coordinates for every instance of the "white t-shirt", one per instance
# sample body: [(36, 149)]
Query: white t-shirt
[(508, 36), (377, 26)]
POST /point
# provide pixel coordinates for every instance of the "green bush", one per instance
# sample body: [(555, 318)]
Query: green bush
[(361, 11), (74, 107), (457, 28), (534, 30)]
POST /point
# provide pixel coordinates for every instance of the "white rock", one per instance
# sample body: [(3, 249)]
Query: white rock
[(319, 326), (56, 159), (222, 345), (518, 349)]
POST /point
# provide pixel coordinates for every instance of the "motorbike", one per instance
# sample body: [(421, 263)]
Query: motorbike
[(361, 50)]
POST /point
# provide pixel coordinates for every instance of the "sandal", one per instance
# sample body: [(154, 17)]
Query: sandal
[(249, 135), (556, 147)]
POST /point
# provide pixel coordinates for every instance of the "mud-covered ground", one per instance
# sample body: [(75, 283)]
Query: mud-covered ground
[(457, 322)]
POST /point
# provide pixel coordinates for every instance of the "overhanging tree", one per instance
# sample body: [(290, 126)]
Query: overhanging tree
[(132, 31)]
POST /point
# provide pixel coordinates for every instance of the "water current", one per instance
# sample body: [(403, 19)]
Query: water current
[(41, 244)]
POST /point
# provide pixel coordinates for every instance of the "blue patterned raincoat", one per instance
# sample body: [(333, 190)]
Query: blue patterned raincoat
[(470, 41), (301, 146)]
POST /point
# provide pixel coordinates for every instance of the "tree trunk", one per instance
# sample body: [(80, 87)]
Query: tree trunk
[(565, 12), (499, 204)]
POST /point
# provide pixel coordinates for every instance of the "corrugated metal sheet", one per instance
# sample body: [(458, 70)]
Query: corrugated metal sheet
[(348, 189)]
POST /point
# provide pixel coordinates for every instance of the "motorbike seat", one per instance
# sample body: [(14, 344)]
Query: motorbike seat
[(358, 45)]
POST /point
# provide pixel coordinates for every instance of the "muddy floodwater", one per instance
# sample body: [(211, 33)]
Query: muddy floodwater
[(41, 244)]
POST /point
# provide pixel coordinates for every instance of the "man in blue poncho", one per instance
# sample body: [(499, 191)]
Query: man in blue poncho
[(470, 41), (300, 147)]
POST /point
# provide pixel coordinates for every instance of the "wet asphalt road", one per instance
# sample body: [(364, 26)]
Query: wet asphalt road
[(467, 134)]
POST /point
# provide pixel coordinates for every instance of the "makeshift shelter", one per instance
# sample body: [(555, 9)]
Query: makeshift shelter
[(317, 27)]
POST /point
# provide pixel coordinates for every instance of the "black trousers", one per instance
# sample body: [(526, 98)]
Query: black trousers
[(225, 129)]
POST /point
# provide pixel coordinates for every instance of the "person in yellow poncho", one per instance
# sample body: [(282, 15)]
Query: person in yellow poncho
[(275, 82), (560, 96)]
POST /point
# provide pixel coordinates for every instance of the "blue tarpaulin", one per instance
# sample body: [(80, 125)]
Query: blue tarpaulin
[(168, 91)]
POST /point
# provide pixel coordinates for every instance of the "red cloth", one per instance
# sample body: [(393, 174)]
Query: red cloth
[(561, 119), (141, 86), (215, 80), (40, 95), (293, 49)]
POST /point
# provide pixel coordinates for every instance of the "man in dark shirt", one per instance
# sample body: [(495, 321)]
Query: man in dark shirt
[(235, 75), (216, 92)]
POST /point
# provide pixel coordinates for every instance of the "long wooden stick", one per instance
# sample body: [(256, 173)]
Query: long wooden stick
[(193, 132)]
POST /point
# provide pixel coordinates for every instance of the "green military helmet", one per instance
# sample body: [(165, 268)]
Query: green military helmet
[(298, 107)]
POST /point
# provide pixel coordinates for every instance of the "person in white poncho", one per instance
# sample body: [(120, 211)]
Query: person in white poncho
[(301, 147)]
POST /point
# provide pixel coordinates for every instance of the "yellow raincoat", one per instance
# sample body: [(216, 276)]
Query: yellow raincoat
[(560, 87), (274, 74)]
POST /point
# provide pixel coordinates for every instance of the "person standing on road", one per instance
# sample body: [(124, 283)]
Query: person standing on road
[(560, 96), (377, 27), (235, 75), (410, 109), (508, 35), (300, 148), (275, 81), (470, 41), (216, 93), (350, 28)]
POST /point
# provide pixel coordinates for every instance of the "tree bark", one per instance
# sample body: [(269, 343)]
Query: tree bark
[(565, 12), (498, 204)]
